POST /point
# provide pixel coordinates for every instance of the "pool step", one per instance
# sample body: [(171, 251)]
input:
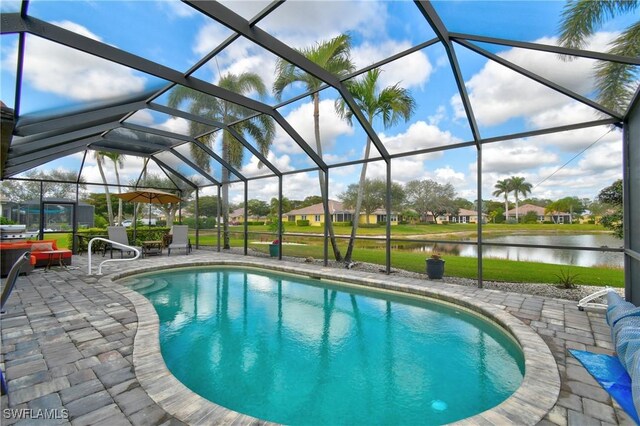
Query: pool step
[(139, 284), (158, 284)]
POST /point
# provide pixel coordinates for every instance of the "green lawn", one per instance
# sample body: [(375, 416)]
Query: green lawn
[(458, 266), (466, 228), (494, 269)]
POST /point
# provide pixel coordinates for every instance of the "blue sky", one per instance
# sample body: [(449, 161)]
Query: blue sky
[(175, 35)]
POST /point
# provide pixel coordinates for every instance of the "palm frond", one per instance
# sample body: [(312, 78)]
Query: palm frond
[(390, 104), (582, 17), (617, 82)]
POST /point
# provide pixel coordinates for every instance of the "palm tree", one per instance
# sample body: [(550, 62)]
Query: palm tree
[(261, 128), (503, 187), (99, 156), (614, 80), (519, 186), (333, 56), (390, 104), (118, 163)]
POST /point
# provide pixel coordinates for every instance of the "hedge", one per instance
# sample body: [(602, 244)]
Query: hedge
[(302, 222)]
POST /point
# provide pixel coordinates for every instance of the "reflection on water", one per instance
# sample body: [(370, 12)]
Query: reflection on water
[(555, 256), (286, 349)]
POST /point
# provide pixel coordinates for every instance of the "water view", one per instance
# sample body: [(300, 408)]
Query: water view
[(554, 256)]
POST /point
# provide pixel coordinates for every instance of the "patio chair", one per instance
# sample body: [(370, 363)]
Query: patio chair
[(119, 235), (180, 239)]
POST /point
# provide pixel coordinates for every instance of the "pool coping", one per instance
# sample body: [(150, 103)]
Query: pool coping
[(535, 397)]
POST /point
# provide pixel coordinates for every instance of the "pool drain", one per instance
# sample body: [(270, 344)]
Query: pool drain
[(438, 405)]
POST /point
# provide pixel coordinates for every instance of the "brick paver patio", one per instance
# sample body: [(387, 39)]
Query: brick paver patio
[(67, 348)]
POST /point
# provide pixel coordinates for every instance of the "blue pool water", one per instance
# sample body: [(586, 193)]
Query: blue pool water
[(300, 351)]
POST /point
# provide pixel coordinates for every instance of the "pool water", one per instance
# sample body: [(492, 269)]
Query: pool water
[(296, 350)]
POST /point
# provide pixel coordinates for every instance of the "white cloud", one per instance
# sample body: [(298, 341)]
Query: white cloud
[(362, 17), (499, 94), (246, 8), (448, 175), (577, 140), (514, 157), (209, 37), (419, 135), (602, 158), (176, 125), (301, 119), (142, 117), (253, 168), (295, 186), (54, 68), (413, 70), (440, 115), (131, 170), (551, 177), (176, 9)]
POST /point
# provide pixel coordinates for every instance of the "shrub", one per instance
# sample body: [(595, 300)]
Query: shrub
[(566, 278), (302, 222), (530, 217), (342, 224), (5, 221), (203, 222)]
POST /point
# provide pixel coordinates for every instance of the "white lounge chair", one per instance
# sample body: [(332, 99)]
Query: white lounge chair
[(119, 235), (180, 239)]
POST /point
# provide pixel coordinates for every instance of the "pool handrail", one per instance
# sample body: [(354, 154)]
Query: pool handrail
[(586, 302), (106, 240)]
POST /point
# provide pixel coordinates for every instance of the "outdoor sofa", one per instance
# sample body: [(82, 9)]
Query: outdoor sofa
[(11, 251)]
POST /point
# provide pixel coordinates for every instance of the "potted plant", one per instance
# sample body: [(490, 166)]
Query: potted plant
[(274, 248), (435, 267)]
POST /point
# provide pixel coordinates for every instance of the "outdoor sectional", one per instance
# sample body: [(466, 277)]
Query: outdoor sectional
[(11, 251)]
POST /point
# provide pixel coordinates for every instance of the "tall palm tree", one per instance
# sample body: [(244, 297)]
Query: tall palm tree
[(261, 128), (503, 187), (334, 56), (99, 156), (519, 186), (118, 163), (614, 80), (390, 104)]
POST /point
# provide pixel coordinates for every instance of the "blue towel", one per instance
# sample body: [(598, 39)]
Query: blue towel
[(611, 375)]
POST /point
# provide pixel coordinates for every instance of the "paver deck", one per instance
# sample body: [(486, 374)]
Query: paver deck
[(68, 349)]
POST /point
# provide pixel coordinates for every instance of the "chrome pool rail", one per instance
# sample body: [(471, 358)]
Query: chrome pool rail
[(123, 246)]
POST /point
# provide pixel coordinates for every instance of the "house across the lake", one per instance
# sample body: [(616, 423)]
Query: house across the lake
[(236, 217), (555, 217), (463, 216), (315, 215)]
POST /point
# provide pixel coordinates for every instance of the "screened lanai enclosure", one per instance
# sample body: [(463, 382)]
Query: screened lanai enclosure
[(423, 110)]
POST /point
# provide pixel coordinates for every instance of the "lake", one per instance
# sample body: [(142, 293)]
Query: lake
[(554, 256)]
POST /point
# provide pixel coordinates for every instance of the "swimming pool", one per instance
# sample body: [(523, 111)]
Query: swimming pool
[(295, 350)]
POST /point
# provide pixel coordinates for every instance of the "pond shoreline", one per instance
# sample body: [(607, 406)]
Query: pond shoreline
[(537, 289)]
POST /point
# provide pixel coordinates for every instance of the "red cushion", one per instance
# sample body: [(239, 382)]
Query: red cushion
[(40, 255)]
